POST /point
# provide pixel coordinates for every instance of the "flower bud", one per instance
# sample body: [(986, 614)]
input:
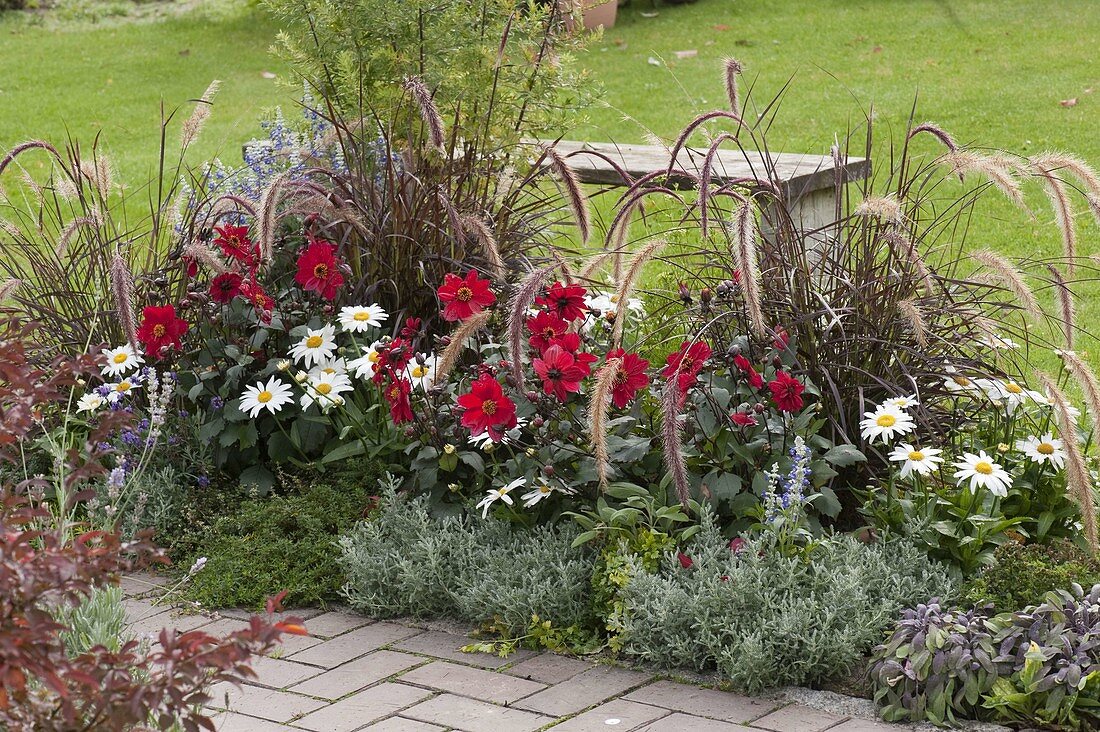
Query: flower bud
[(548, 471), (449, 449), (301, 377), (532, 452), (283, 365)]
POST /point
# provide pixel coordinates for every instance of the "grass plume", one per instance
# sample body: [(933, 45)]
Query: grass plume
[(1078, 480), (433, 121), (1060, 202), (1066, 307), (597, 417), (671, 402), (194, 124), (522, 299), (732, 68), (1000, 271), (627, 284), (122, 287), (746, 257), (578, 202), (450, 355)]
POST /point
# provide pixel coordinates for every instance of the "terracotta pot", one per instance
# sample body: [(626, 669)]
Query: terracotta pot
[(600, 12)]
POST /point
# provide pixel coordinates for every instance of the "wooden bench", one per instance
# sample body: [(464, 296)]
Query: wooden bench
[(807, 182)]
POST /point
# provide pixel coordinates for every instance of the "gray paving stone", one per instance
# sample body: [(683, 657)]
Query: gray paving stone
[(140, 584), (149, 627), (703, 702), (584, 690), (797, 718), (369, 705), (332, 624), (618, 714), (230, 722), (256, 701), (679, 722), (400, 724), (470, 715), (357, 674), (477, 683), (866, 725), (549, 668), (353, 644), (304, 613), (279, 674), (448, 645)]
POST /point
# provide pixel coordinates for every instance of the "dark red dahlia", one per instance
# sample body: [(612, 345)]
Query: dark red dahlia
[(397, 396), (630, 377), (319, 269), (263, 303), (545, 329), (464, 297), (686, 363), (559, 372), (235, 244), (565, 301), (160, 329), (487, 409), (786, 392), (225, 287), (756, 381), (743, 419)]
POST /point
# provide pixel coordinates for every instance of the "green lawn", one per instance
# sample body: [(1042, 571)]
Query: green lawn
[(83, 80)]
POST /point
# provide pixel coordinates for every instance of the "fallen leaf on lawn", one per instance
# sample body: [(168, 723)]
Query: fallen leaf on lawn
[(876, 49), (690, 53), (619, 42), (1069, 102), (185, 52), (708, 43), (720, 27), (267, 75), (742, 42), (650, 15), (1088, 91), (653, 61)]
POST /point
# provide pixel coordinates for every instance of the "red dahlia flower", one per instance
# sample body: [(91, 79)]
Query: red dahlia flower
[(319, 269), (686, 363), (782, 339), (487, 409), (685, 561), (565, 301), (225, 287), (559, 372), (263, 303), (545, 329), (397, 396), (743, 419), (464, 297), (629, 378), (571, 343), (786, 392), (393, 356), (756, 381), (235, 244), (160, 329)]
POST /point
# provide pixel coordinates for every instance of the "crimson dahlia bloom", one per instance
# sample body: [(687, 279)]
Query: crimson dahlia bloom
[(254, 292), (319, 269), (235, 244), (686, 363), (397, 396), (743, 419), (225, 287), (565, 301), (464, 297), (545, 329), (160, 329), (559, 372), (786, 392), (630, 377), (756, 381), (487, 409)]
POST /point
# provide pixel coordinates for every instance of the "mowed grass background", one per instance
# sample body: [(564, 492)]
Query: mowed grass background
[(995, 73)]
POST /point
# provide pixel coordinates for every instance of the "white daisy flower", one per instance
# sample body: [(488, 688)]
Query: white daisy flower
[(90, 402), (330, 366), (122, 388), (324, 389), (541, 491), (1043, 449), (363, 367), (1009, 392), (605, 307), (359, 318), (316, 346), (959, 384), (484, 440), (272, 396), (121, 360), (982, 472), (1000, 343), (902, 402), (423, 374), (499, 494), (886, 422), (921, 461), (1074, 412)]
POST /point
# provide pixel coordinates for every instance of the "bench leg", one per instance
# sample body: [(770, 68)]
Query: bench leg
[(812, 215)]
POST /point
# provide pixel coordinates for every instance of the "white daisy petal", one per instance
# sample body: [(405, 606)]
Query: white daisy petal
[(922, 461), (316, 346), (121, 360), (360, 318), (1043, 450), (886, 422), (980, 471), (272, 396)]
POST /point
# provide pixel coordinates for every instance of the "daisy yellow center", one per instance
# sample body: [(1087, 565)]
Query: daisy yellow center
[(324, 388), (544, 490), (1045, 448), (373, 356), (124, 386), (264, 397), (159, 331), (1013, 388), (489, 407), (961, 380), (328, 370), (314, 341), (419, 371), (916, 456), (983, 467), (361, 316), (464, 294), (120, 358), (886, 420), (320, 271)]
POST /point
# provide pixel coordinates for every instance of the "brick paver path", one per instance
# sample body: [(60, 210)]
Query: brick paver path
[(354, 674)]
